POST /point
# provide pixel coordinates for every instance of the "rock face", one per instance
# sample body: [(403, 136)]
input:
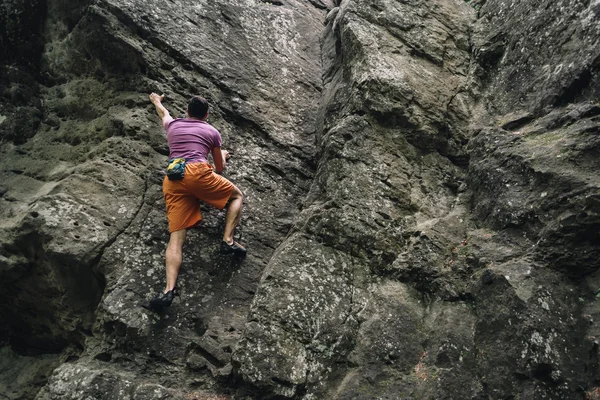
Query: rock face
[(422, 202)]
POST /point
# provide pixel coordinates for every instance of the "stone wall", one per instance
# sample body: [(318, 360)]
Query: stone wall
[(421, 200)]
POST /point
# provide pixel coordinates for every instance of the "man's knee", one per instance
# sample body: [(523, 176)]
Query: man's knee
[(236, 194), (177, 239)]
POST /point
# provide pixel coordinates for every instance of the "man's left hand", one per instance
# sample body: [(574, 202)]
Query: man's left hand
[(154, 98)]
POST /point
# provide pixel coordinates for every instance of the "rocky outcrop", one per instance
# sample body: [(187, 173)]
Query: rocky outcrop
[(336, 293), (84, 229), (421, 202)]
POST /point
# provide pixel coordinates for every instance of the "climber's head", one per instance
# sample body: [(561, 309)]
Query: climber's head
[(197, 108)]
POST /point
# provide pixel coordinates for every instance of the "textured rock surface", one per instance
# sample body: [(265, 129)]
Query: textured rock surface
[(422, 201)]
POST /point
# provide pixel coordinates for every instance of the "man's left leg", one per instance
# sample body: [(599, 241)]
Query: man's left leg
[(174, 257)]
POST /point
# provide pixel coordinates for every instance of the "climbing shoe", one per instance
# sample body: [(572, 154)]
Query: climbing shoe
[(161, 301), (234, 248)]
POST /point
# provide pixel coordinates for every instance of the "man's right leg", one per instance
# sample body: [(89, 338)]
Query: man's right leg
[(174, 257), (220, 192), (234, 213)]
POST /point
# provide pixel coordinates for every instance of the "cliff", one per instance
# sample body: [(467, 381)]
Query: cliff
[(422, 200)]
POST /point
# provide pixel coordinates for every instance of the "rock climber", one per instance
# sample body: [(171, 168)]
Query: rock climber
[(191, 178)]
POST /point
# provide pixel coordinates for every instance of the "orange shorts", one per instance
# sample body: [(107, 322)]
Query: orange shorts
[(199, 183)]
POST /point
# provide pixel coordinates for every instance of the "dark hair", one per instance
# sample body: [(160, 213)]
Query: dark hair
[(198, 107)]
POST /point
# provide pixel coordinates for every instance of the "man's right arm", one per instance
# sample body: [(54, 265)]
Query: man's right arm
[(220, 157), (162, 112)]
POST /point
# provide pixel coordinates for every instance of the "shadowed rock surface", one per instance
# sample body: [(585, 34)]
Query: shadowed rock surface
[(422, 200)]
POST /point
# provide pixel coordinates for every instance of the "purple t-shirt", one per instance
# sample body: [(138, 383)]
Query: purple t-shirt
[(192, 139)]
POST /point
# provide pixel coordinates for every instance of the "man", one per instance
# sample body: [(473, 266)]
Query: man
[(192, 139)]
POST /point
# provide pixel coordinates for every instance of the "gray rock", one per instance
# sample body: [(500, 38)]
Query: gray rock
[(421, 200)]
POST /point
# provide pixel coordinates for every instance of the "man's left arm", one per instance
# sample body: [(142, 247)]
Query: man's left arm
[(162, 112)]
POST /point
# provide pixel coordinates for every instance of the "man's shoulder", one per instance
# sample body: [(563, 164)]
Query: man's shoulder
[(211, 128), (172, 122), (193, 124), (199, 122), (189, 122)]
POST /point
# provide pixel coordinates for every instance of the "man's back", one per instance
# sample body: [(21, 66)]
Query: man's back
[(191, 139)]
